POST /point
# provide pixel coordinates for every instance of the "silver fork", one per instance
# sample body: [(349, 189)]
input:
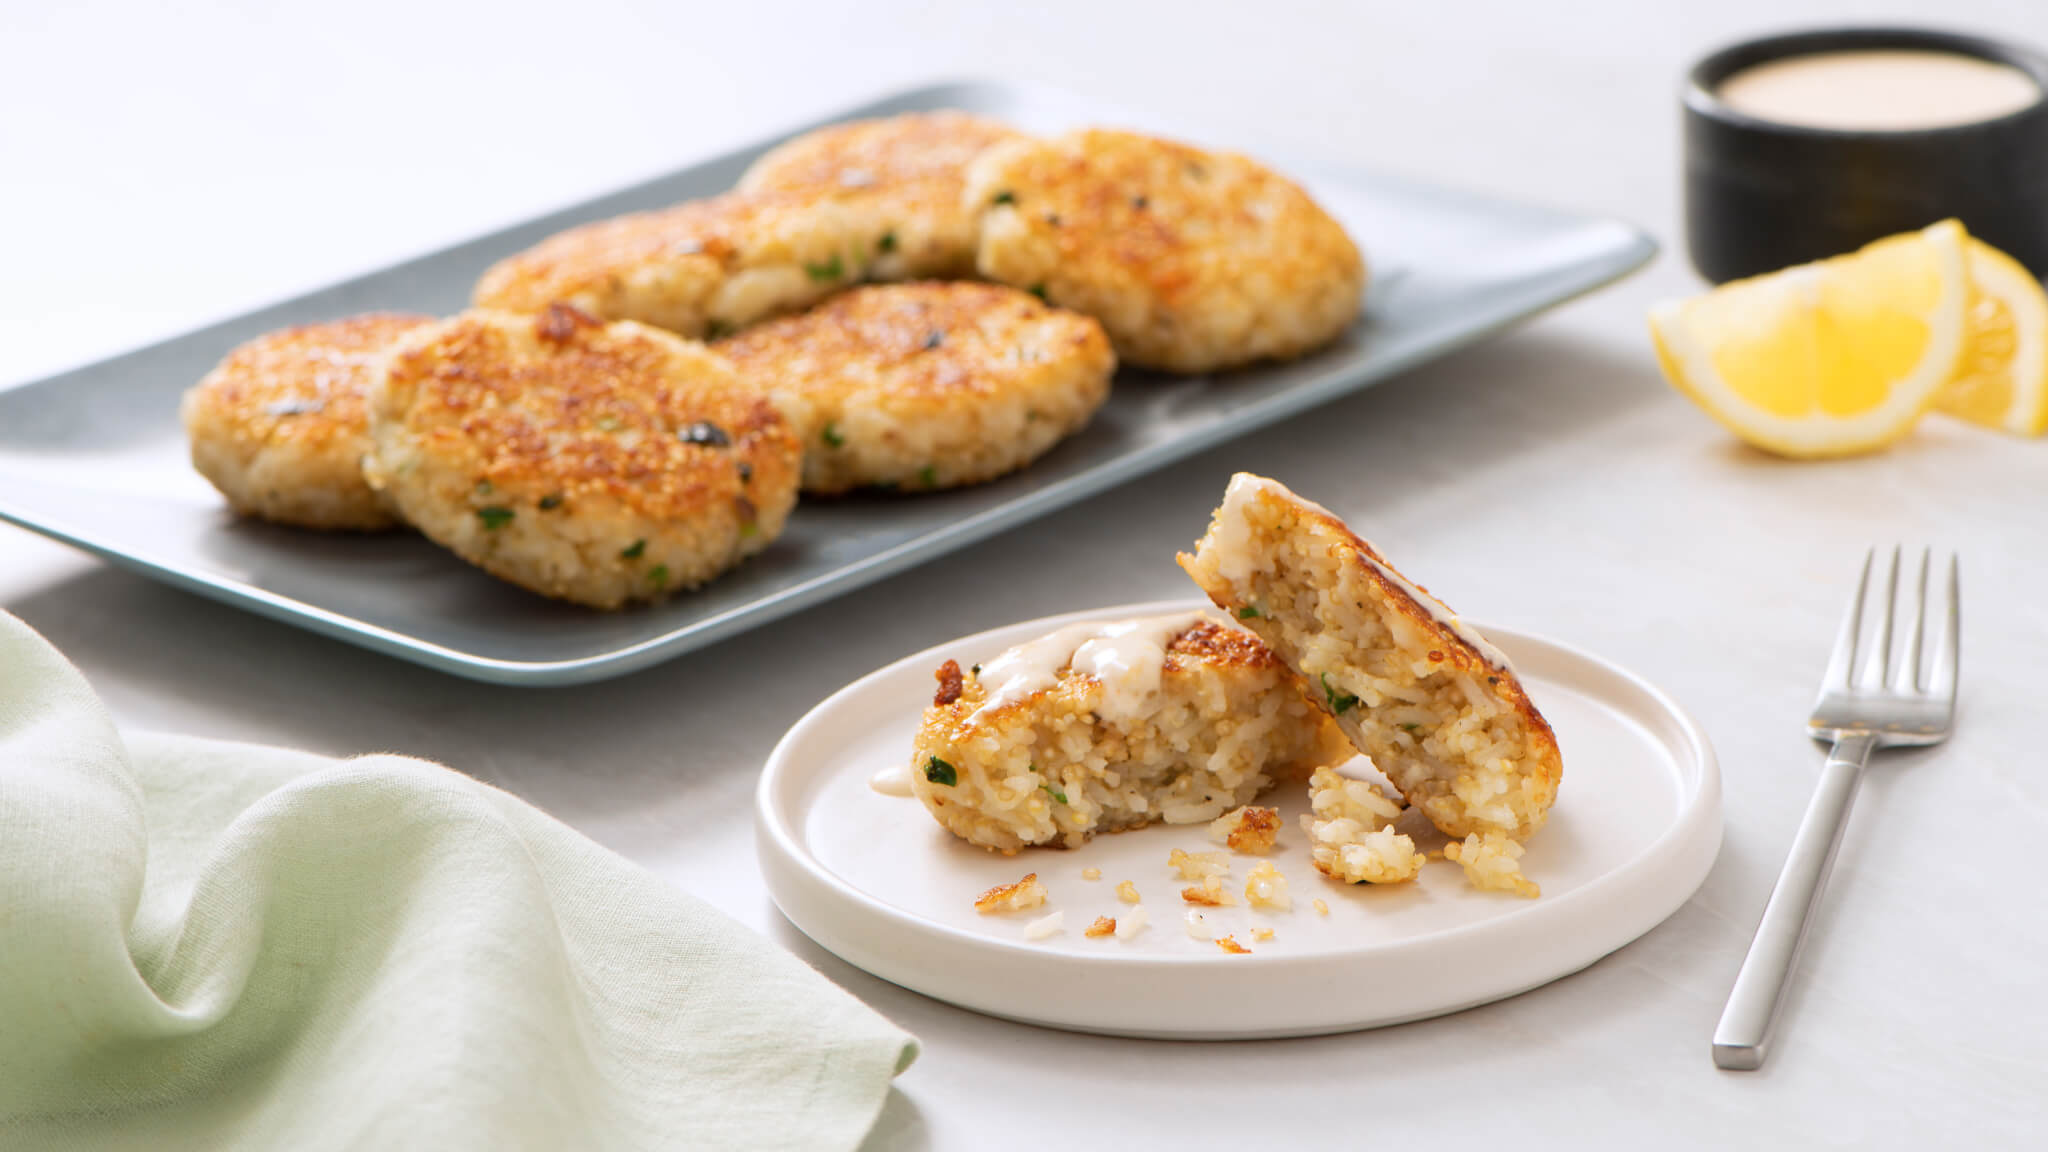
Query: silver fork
[(1867, 703)]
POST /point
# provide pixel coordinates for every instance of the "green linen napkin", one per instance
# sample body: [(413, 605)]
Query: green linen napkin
[(218, 946)]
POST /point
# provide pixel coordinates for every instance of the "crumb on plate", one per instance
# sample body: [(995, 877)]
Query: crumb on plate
[(1025, 893), (1267, 888), (1198, 865), (1250, 829)]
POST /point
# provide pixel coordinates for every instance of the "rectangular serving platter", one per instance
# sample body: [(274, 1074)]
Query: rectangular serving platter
[(96, 456)]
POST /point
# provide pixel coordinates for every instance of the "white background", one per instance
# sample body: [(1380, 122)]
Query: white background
[(161, 167)]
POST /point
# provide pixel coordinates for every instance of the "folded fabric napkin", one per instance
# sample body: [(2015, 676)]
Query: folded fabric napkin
[(218, 946)]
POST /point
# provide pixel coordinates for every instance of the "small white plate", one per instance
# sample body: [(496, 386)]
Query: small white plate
[(875, 880)]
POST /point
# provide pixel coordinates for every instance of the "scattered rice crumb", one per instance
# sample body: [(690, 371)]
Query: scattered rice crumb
[(1045, 926), (1198, 926), (1351, 833), (1249, 829), (1210, 892), (1132, 923), (1267, 888), (1025, 893), (1198, 865), (1262, 934), (1103, 926), (1091, 873), (1230, 944), (1321, 908), (1492, 861), (1127, 892)]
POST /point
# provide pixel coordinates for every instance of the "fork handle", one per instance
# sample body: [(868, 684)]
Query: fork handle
[(1744, 1033)]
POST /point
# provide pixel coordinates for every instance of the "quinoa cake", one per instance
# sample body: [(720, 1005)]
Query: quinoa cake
[(1103, 727), (701, 269), (929, 385), (910, 170), (598, 463), (280, 427), (1194, 261), (1437, 708)]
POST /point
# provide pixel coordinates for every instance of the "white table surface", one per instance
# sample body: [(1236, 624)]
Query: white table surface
[(158, 169)]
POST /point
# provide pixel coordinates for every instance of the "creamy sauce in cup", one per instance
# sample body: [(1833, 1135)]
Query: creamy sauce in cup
[(1888, 90)]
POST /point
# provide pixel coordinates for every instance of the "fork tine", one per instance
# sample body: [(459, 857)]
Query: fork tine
[(1948, 642), (1875, 660), (1843, 657), (1906, 671)]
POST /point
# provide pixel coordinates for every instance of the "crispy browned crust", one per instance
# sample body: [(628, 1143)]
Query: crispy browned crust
[(1154, 236), (950, 682), (1103, 926), (1209, 895), (929, 342), (896, 150), (587, 264), (928, 385), (302, 391), (1229, 944), (905, 173)]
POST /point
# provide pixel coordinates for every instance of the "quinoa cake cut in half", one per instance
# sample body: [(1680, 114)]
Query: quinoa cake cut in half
[(281, 428), (598, 463), (919, 387), (1436, 707), (1100, 727)]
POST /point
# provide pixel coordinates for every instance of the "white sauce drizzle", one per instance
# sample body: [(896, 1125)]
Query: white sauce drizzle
[(892, 781), (1126, 656), (1238, 562)]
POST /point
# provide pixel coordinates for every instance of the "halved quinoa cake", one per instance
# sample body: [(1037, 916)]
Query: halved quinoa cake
[(1436, 707), (1102, 727)]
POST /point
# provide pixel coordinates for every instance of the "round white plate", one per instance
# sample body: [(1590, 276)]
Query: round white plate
[(875, 880)]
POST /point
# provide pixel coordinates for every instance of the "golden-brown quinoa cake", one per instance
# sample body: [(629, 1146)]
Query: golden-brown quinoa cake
[(596, 463), (1194, 261), (1436, 707), (280, 428), (909, 169), (1098, 728), (928, 385), (701, 269)]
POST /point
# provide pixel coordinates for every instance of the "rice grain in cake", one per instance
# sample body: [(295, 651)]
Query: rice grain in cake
[(924, 386), (1194, 261), (598, 463), (910, 170), (701, 269), (1102, 727), (281, 428), (1437, 708)]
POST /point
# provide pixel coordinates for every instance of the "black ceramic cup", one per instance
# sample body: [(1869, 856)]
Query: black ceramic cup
[(1761, 195)]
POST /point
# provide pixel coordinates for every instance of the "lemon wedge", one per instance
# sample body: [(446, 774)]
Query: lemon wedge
[(1825, 359), (2002, 381)]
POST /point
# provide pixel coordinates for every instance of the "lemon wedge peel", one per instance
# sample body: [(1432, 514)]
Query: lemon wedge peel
[(2002, 380)]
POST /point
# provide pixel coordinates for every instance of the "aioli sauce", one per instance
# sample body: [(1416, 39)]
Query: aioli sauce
[(1890, 90)]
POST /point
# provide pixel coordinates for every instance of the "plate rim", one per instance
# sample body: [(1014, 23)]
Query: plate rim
[(1698, 818)]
